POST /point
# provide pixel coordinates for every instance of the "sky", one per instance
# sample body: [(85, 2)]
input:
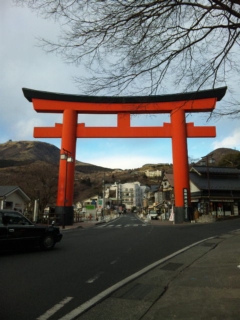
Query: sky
[(24, 64)]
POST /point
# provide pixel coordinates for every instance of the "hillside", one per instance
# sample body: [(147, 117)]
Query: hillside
[(18, 153), (30, 151), (219, 154), (33, 166)]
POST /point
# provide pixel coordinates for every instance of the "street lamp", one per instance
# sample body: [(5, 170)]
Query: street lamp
[(205, 162), (65, 156)]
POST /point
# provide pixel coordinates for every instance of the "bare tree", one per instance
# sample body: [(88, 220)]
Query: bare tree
[(37, 180), (147, 46), (230, 160)]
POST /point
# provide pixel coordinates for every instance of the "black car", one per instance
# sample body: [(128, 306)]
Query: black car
[(16, 231)]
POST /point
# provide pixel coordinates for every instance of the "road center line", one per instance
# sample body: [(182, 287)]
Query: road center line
[(94, 278), (115, 261)]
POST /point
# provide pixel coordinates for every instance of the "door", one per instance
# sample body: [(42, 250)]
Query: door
[(20, 231)]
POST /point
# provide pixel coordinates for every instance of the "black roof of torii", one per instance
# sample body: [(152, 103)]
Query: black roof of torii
[(196, 95)]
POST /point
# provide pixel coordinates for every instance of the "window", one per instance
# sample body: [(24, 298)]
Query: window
[(15, 218), (8, 205)]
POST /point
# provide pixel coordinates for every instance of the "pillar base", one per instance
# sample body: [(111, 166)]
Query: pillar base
[(180, 214), (64, 215)]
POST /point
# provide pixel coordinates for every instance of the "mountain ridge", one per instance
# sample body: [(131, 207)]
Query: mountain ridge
[(34, 167), (15, 153), (25, 152)]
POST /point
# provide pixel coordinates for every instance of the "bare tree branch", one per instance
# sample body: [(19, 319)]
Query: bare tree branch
[(144, 46)]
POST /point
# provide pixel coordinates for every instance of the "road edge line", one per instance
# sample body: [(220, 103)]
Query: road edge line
[(102, 295)]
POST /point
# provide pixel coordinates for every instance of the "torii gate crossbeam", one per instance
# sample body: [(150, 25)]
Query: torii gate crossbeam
[(177, 105)]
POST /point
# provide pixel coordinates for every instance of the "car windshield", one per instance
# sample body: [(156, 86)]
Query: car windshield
[(15, 218)]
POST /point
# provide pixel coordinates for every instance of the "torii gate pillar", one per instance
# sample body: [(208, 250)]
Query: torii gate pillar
[(180, 161), (66, 169), (177, 105)]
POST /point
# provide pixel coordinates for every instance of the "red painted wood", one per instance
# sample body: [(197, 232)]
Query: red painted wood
[(178, 130)]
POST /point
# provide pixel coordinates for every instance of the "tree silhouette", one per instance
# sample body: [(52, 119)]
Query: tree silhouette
[(146, 47), (230, 160)]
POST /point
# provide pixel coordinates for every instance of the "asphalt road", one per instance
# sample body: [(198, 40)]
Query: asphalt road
[(48, 285)]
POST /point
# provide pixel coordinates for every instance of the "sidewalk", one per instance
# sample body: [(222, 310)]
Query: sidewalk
[(202, 282)]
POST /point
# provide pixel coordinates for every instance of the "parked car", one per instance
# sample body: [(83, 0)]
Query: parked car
[(153, 215), (16, 231)]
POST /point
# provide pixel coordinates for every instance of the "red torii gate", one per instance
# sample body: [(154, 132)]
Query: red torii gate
[(178, 130)]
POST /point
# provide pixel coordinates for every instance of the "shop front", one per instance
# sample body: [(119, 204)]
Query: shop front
[(216, 194)]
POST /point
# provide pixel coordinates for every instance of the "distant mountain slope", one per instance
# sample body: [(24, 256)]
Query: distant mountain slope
[(33, 166), (219, 153), (14, 153), (29, 151)]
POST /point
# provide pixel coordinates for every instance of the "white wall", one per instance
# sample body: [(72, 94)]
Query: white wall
[(17, 202)]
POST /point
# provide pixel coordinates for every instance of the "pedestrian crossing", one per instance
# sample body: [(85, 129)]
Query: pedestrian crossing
[(122, 225)]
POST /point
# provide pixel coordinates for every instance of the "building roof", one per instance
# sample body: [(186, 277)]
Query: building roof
[(5, 191), (169, 177), (215, 170), (216, 182), (154, 187)]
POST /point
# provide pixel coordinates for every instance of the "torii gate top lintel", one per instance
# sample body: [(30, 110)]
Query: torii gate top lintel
[(198, 101)]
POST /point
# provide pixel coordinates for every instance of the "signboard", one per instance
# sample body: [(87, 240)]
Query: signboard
[(99, 203), (185, 200), (90, 207)]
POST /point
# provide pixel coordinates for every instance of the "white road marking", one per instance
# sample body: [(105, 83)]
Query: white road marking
[(101, 296), (115, 261), (54, 309), (125, 226), (110, 225), (94, 278)]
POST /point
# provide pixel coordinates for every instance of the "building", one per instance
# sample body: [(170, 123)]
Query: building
[(13, 198), (161, 196), (153, 173), (168, 188), (129, 194), (153, 195), (215, 190)]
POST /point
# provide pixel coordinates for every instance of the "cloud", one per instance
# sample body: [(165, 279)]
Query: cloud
[(24, 64), (231, 141)]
